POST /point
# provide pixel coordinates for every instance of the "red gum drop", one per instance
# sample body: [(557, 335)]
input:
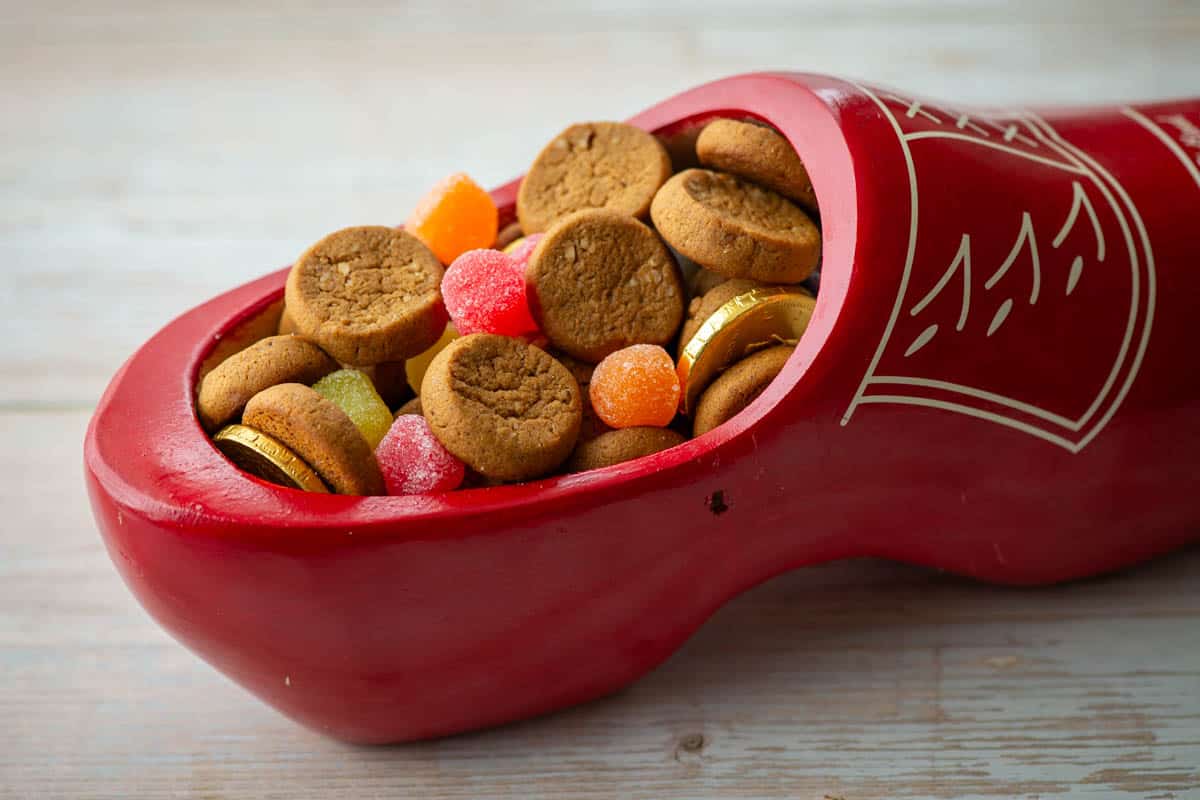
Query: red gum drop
[(521, 253), (485, 293), (413, 461)]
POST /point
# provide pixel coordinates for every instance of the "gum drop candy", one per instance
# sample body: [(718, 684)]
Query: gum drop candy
[(484, 293), (455, 216), (415, 367), (355, 394), (520, 251), (635, 386), (413, 461)]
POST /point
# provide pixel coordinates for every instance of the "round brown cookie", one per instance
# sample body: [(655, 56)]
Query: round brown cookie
[(737, 387), (592, 165), (507, 235), (599, 281), (591, 426), (411, 407), (620, 445), (703, 307), (320, 433), (506, 409), (224, 391), (736, 227), (757, 153), (286, 323), (367, 295)]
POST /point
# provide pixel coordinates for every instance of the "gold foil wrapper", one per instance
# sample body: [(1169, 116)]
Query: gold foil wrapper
[(749, 322), (267, 458)]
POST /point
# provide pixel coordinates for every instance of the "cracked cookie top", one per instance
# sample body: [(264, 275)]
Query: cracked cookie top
[(367, 295), (592, 165), (507, 409)]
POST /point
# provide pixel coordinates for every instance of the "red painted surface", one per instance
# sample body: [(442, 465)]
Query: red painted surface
[(1059, 445)]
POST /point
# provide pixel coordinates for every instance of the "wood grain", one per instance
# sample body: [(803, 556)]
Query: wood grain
[(153, 154)]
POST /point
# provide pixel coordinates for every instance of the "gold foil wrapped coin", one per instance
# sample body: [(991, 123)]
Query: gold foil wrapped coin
[(749, 322), (267, 458)]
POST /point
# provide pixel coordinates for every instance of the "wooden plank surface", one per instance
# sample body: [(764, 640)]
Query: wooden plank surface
[(155, 153)]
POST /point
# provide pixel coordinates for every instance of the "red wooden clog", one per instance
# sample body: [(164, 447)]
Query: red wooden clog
[(1000, 379)]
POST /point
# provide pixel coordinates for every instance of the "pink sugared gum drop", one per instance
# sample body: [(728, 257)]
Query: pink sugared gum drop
[(484, 293), (413, 461)]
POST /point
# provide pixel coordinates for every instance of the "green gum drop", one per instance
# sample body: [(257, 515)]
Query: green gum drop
[(354, 393)]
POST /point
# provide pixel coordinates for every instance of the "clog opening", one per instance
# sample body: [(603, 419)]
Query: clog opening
[(812, 131)]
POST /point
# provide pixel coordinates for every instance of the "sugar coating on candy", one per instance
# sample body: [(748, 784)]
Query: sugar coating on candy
[(520, 250), (415, 367), (455, 216), (635, 386), (413, 461), (354, 393), (484, 293)]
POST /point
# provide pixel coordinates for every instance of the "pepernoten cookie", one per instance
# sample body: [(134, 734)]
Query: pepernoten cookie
[(367, 294), (737, 387), (320, 433), (592, 165), (225, 390), (505, 408), (599, 281), (623, 444), (757, 153), (735, 227)]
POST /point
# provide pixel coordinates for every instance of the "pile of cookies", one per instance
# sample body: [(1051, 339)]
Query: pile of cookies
[(632, 303)]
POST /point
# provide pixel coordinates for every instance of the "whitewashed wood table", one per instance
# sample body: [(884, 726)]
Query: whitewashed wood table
[(153, 154)]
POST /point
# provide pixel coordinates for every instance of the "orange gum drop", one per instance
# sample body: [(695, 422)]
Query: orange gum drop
[(635, 386), (455, 216)]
